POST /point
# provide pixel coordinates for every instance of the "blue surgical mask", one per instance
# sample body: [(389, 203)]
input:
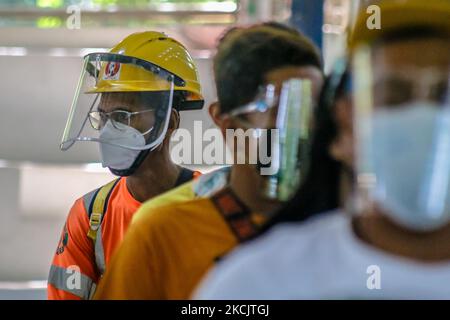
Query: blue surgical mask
[(408, 150)]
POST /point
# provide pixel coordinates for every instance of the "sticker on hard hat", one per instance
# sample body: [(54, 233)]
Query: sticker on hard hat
[(112, 71)]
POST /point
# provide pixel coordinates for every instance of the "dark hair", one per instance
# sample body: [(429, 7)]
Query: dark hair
[(246, 55), (271, 24), (319, 191), (282, 27)]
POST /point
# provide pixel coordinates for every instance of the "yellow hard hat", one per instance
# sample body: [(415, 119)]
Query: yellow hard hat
[(397, 14), (150, 49)]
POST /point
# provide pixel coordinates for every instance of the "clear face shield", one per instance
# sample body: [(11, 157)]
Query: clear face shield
[(402, 137), (120, 101), (280, 121)]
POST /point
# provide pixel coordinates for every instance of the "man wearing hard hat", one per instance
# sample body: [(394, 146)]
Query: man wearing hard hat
[(128, 101)]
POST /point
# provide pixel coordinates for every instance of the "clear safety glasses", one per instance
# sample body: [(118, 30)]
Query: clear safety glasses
[(98, 119)]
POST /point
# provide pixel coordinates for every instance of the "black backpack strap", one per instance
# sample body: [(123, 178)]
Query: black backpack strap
[(185, 175)]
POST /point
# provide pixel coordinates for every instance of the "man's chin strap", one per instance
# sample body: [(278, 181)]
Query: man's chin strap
[(136, 164)]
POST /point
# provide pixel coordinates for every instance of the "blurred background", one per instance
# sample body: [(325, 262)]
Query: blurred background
[(40, 60)]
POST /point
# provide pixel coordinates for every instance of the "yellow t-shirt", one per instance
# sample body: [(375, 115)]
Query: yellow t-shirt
[(171, 243), (166, 254), (183, 193), (201, 187)]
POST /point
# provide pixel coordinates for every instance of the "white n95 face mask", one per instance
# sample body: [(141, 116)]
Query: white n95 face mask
[(409, 153), (112, 138)]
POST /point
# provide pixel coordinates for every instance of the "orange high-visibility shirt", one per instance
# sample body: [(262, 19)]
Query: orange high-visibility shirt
[(76, 252)]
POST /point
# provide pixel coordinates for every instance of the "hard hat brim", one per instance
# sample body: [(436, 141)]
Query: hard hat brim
[(397, 14)]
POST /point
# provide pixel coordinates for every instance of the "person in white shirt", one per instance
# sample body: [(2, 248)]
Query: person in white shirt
[(386, 234)]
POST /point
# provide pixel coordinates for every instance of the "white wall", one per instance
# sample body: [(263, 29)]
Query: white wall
[(31, 222)]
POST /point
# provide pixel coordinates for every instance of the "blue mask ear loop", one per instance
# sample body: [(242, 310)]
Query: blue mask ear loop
[(447, 97), (348, 88), (148, 131)]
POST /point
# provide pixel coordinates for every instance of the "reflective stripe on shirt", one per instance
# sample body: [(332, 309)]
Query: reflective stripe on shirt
[(71, 281)]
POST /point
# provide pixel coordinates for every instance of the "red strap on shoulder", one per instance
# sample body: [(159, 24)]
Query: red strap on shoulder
[(196, 174), (235, 213)]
